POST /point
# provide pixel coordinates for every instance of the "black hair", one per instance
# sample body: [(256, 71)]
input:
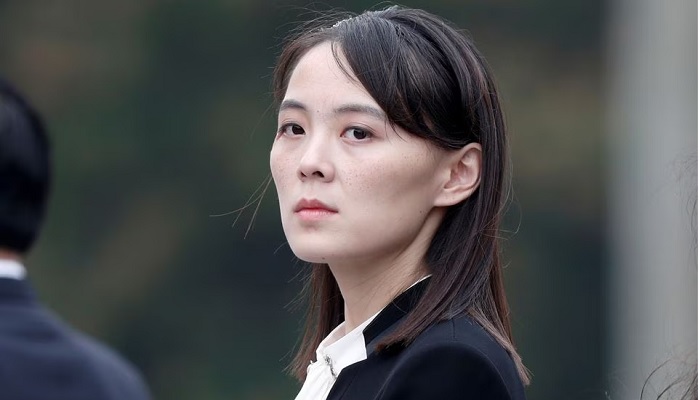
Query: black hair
[(25, 171)]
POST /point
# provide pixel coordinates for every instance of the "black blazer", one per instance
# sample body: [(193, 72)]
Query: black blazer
[(454, 359), (41, 358)]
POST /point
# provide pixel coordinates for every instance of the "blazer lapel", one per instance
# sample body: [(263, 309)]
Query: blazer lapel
[(390, 317), (383, 324)]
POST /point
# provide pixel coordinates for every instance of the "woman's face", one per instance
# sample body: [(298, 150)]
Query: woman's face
[(351, 188)]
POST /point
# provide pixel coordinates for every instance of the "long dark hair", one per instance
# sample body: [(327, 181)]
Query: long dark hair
[(431, 81)]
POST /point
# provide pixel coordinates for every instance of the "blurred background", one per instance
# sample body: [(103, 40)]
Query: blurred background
[(161, 118)]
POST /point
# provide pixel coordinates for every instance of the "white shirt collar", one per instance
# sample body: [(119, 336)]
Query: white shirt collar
[(12, 269), (338, 350)]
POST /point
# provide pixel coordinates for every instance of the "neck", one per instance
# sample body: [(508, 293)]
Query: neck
[(10, 255), (366, 292), (368, 285)]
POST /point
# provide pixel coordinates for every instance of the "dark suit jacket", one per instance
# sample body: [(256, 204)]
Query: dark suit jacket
[(41, 358), (454, 359)]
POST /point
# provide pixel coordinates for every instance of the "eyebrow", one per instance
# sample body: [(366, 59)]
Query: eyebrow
[(343, 109)]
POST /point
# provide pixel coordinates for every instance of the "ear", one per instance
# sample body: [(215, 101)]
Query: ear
[(465, 175)]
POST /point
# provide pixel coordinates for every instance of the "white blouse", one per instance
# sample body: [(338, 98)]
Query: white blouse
[(335, 352)]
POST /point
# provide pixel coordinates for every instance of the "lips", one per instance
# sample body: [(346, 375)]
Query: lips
[(313, 205)]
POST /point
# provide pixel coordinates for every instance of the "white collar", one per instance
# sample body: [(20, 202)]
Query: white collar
[(338, 350), (12, 269)]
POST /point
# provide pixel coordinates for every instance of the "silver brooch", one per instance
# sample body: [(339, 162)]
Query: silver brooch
[(330, 365)]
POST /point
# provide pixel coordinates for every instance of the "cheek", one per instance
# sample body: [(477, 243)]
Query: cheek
[(281, 167), (408, 177)]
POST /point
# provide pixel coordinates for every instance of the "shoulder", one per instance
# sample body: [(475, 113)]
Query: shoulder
[(454, 359), (39, 345), (117, 374)]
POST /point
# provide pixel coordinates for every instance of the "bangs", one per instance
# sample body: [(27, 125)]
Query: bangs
[(405, 68), (406, 75)]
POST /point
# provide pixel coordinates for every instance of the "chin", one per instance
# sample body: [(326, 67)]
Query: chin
[(312, 247), (312, 251), (310, 255)]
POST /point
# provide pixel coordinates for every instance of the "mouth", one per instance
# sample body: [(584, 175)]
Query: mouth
[(313, 209)]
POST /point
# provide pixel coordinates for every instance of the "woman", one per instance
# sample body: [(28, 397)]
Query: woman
[(389, 164)]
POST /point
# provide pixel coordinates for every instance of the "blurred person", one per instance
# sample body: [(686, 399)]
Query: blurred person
[(41, 357), (390, 166)]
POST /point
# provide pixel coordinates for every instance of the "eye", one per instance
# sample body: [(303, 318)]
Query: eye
[(291, 130), (357, 134)]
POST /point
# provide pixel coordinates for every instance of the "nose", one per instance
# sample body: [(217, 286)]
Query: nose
[(316, 162)]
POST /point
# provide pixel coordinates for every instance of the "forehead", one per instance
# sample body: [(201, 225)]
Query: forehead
[(318, 76)]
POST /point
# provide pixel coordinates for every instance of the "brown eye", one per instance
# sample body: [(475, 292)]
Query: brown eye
[(356, 134), (291, 130)]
